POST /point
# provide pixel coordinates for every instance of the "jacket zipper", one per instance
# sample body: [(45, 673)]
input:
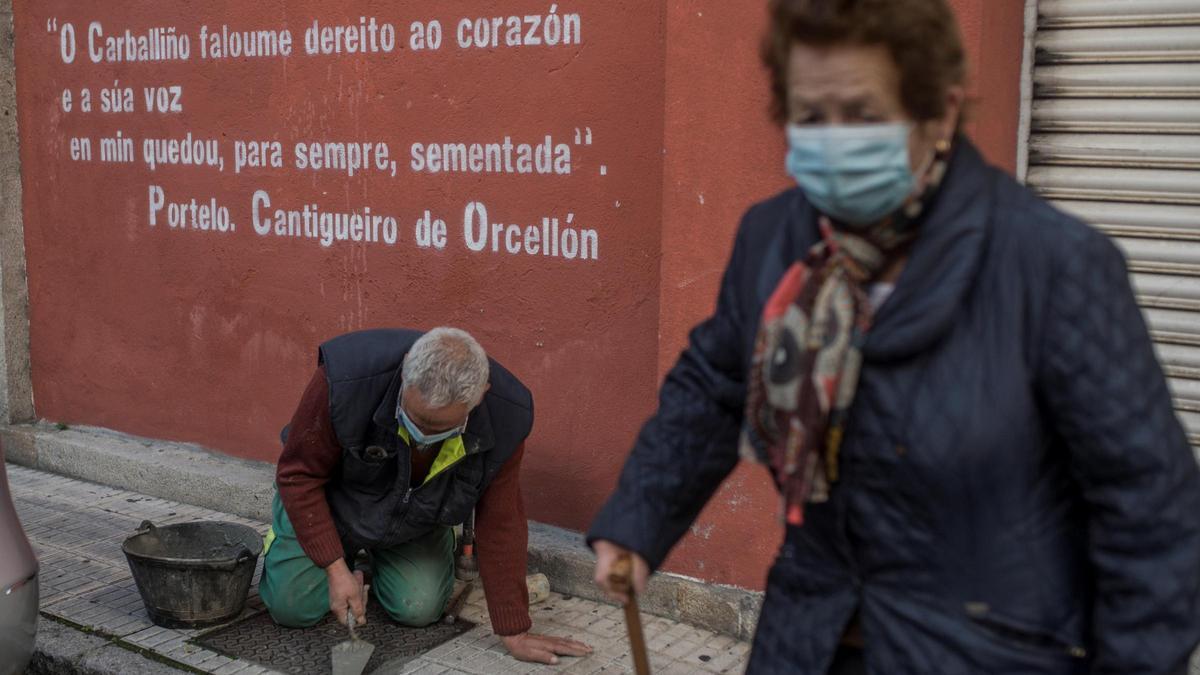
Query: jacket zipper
[(408, 493)]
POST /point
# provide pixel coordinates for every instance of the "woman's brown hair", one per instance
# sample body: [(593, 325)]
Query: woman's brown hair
[(921, 35)]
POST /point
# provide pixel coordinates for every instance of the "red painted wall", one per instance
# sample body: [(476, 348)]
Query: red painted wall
[(209, 336), (722, 154), (994, 33)]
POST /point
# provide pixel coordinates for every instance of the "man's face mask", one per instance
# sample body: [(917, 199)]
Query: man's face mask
[(421, 438), (856, 174)]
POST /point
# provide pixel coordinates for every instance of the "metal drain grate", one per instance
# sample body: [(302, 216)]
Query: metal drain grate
[(305, 651)]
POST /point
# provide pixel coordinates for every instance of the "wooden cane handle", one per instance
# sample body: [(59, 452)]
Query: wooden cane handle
[(621, 574)]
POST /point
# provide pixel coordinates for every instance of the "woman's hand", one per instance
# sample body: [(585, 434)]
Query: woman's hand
[(346, 592), (606, 555), (536, 648)]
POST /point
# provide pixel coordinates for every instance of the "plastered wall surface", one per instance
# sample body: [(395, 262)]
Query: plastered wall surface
[(561, 179)]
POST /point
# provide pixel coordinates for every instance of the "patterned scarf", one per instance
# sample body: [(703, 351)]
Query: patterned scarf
[(808, 354)]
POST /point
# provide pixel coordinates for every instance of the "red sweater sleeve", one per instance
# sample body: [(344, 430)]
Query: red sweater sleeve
[(502, 540), (310, 456)]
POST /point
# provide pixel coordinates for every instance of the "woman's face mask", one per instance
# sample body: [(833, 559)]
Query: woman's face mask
[(851, 141), (856, 174)]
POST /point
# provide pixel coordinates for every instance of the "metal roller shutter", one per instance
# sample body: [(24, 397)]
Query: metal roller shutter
[(1115, 138)]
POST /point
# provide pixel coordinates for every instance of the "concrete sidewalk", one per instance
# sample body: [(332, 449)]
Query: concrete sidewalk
[(94, 621)]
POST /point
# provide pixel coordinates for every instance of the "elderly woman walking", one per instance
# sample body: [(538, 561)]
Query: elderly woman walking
[(950, 381)]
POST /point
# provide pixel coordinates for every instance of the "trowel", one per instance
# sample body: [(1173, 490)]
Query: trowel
[(350, 657)]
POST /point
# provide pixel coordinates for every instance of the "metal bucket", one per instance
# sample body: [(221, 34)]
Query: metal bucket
[(193, 574)]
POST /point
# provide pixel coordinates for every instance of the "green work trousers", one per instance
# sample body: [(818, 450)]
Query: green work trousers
[(412, 581)]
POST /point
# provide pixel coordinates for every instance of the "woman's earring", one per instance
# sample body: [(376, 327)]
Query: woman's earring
[(943, 146)]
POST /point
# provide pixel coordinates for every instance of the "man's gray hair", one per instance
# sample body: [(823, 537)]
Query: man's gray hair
[(447, 366)]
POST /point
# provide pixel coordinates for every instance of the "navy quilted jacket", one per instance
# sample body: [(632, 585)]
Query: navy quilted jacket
[(1016, 493)]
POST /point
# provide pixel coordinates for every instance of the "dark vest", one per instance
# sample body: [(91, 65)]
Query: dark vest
[(370, 497)]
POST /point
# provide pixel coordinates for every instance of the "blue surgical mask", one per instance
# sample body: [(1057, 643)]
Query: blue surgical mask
[(855, 174), (421, 438)]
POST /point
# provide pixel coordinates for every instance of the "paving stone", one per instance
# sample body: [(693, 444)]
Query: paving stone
[(441, 652), (152, 637), (659, 642), (124, 625), (681, 649), (608, 629), (454, 658), (426, 669), (484, 663), (116, 660), (612, 650), (231, 668), (585, 665), (488, 641), (200, 657), (721, 661), (677, 668), (216, 662), (176, 643)]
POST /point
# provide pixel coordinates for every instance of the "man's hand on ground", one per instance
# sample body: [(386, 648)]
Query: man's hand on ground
[(346, 592), (542, 648), (606, 555)]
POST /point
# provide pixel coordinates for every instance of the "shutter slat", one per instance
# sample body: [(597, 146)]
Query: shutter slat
[(1120, 150), (1187, 391), (1181, 258), (1101, 183), (1094, 13), (1179, 356), (1135, 116), (1167, 291), (1173, 223), (1191, 422), (1125, 80), (1119, 45), (1173, 326)]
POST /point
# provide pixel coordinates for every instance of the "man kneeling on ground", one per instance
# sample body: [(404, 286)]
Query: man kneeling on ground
[(397, 438)]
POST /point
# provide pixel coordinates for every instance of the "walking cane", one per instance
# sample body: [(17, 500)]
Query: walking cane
[(621, 579)]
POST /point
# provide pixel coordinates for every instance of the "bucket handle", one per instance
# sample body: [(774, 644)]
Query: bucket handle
[(242, 556), (145, 527)]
